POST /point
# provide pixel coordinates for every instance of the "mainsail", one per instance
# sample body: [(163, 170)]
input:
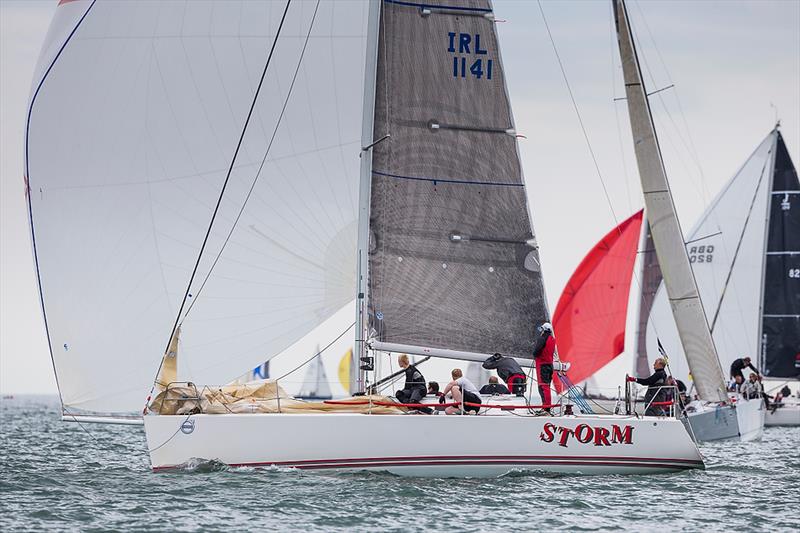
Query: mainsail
[(453, 261), (589, 320), (780, 326), (684, 297), (134, 117)]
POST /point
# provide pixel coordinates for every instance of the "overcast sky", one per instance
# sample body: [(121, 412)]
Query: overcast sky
[(735, 66)]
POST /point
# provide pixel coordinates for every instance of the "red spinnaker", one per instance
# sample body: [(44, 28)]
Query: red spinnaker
[(589, 321)]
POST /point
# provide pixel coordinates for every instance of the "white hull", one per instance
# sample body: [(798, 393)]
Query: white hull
[(743, 420), (420, 445), (786, 415)]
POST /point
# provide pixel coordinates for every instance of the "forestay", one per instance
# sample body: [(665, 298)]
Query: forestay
[(134, 117), (453, 261)]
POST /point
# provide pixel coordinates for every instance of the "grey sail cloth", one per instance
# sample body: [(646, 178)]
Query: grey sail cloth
[(780, 333), (452, 259)]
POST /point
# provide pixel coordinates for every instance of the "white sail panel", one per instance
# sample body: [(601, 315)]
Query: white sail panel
[(129, 142), (729, 282)]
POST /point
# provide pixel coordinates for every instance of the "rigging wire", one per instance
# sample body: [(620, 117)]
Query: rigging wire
[(583, 129), (224, 186), (577, 112), (261, 166), (304, 363)]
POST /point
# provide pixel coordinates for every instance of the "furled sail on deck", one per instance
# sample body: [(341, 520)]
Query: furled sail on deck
[(589, 320), (453, 261), (780, 329), (684, 297), (135, 114), (726, 250)]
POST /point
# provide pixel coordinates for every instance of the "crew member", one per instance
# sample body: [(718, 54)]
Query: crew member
[(740, 364), (655, 388), (543, 353), (414, 389), (509, 371), (463, 391), (494, 387)]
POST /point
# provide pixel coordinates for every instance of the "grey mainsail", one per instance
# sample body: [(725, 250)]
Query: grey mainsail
[(453, 261)]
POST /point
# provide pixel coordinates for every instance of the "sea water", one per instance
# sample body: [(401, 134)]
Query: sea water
[(61, 476)]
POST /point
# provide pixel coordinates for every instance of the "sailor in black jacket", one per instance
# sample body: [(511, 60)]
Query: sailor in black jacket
[(655, 391), (414, 389), (740, 364)]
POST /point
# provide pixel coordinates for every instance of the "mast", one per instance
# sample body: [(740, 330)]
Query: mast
[(687, 308), (364, 194)]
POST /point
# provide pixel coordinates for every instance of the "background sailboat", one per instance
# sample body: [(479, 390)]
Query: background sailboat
[(745, 251), (730, 249), (315, 385)]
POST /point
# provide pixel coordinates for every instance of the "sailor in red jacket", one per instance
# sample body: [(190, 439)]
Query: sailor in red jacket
[(543, 352)]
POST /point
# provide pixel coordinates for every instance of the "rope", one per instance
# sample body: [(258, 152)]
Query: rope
[(224, 187), (577, 113), (447, 404), (261, 166)]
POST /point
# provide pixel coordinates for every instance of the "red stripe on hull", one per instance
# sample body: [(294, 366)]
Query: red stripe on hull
[(311, 464)]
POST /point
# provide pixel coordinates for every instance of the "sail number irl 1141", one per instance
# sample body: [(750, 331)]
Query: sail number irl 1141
[(469, 57)]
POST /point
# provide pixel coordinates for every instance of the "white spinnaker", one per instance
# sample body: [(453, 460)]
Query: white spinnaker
[(130, 136), (716, 237), (687, 308)]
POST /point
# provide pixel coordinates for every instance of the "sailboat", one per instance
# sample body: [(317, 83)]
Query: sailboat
[(315, 385), (221, 178)]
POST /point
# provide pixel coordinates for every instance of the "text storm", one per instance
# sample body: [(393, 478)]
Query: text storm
[(586, 434)]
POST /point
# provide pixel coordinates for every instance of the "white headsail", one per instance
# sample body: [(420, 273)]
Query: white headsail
[(687, 308), (134, 119)]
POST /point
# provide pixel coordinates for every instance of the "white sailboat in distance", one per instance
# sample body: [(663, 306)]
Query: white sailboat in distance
[(212, 181)]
